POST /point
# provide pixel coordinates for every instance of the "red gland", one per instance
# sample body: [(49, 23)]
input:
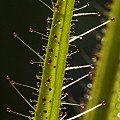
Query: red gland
[(55, 36), (90, 75), (66, 113), (7, 77), (88, 4), (48, 21), (54, 25), (13, 82), (78, 50), (58, 20), (61, 112), (31, 100), (31, 30), (48, 80), (32, 62), (103, 103), (44, 99), (15, 35), (57, 11), (8, 110), (49, 61), (98, 13), (51, 50), (57, 6), (92, 66), (80, 37), (113, 19)]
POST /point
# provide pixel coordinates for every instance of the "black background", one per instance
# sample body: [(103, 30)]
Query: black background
[(19, 16)]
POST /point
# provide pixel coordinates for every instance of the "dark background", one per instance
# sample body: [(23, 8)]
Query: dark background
[(19, 16)]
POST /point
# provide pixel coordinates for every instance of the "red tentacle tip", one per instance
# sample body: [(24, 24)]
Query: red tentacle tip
[(57, 6), (88, 4), (104, 103), (13, 82), (15, 34), (7, 77), (32, 62), (113, 19), (9, 110), (98, 13), (31, 30)]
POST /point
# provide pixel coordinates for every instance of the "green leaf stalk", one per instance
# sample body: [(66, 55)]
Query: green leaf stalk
[(107, 79), (54, 66)]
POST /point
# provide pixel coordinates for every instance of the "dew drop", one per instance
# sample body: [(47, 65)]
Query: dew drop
[(118, 115)]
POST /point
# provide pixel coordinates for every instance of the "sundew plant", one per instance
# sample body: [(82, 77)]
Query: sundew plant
[(52, 81)]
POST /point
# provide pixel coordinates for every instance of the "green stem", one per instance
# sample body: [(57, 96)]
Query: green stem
[(50, 96)]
